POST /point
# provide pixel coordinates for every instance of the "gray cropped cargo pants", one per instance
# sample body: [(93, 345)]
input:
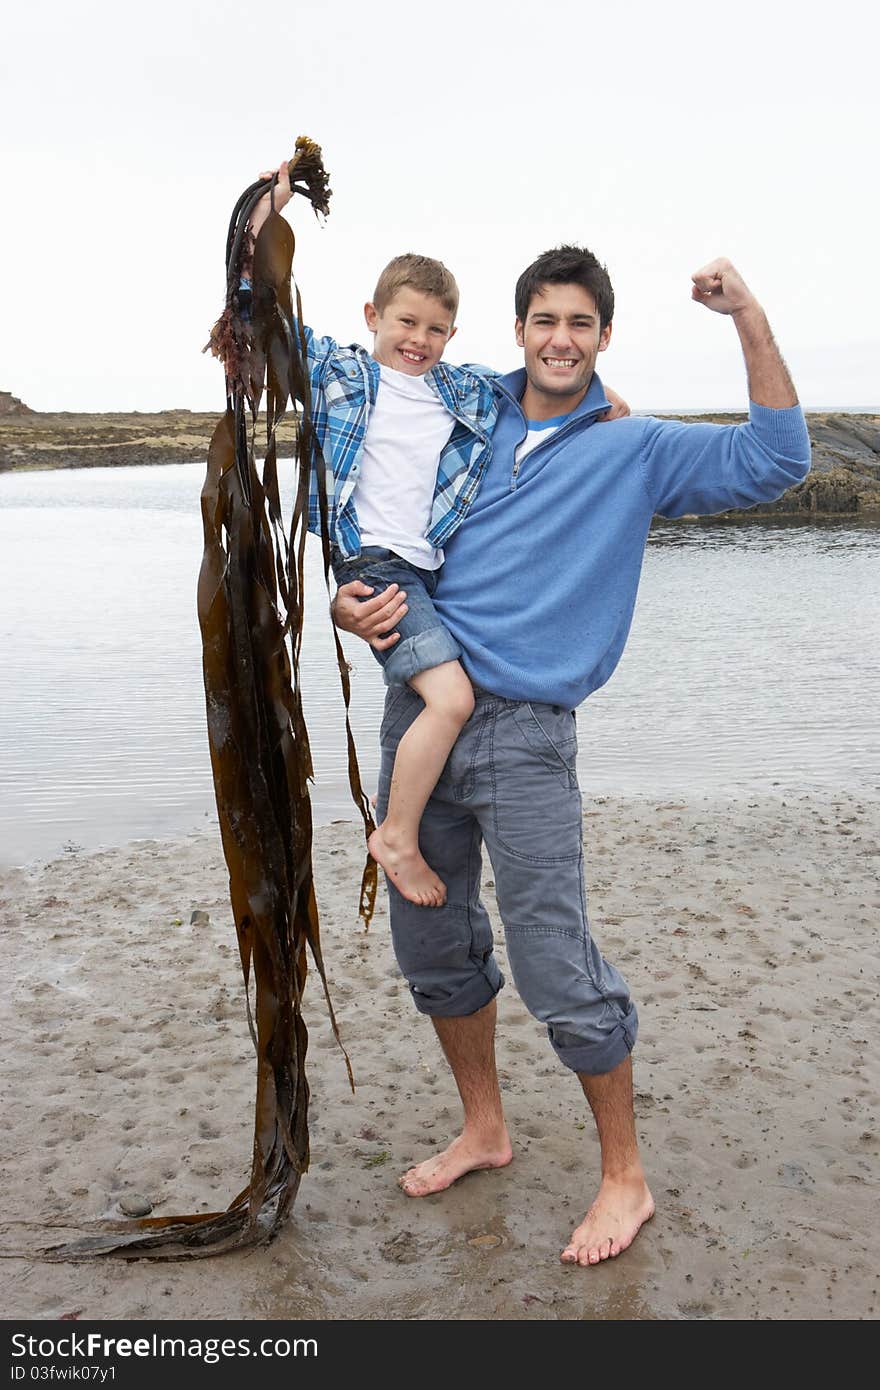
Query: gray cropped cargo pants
[(509, 783)]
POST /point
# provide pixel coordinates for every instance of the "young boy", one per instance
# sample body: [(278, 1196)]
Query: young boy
[(405, 438)]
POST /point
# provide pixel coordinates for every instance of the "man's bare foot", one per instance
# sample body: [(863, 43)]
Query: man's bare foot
[(408, 871), (464, 1155), (612, 1223)]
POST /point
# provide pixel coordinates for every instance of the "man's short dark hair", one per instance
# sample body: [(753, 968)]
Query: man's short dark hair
[(566, 265)]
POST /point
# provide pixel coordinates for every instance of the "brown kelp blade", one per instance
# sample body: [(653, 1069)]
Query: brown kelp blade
[(250, 608)]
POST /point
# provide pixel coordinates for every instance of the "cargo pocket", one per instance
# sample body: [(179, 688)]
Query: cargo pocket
[(537, 802), (552, 736)]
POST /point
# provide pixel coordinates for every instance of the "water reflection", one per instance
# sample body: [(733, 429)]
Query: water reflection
[(824, 536)]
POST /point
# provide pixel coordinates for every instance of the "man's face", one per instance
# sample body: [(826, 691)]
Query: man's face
[(561, 338), (411, 332)]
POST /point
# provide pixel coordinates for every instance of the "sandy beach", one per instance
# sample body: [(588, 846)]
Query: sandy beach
[(748, 933)]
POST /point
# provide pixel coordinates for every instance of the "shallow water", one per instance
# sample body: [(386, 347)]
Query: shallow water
[(750, 667)]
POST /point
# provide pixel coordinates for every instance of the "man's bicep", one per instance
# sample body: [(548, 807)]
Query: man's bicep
[(712, 468), (699, 470)]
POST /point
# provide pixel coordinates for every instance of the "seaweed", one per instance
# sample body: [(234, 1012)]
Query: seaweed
[(250, 608)]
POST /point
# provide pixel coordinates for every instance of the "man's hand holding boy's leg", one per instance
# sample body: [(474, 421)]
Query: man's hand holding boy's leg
[(371, 618)]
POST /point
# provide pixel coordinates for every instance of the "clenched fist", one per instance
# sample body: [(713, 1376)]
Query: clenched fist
[(720, 287)]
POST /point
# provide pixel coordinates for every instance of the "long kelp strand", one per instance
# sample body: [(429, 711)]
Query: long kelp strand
[(250, 606)]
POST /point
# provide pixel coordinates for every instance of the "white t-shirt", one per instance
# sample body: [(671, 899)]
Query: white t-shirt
[(539, 430), (407, 431)]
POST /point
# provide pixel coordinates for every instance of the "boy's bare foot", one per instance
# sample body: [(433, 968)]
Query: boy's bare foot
[(612, 1223), (408, 871), (464, 1155)]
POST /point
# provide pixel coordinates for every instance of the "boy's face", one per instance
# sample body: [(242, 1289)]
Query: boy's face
[(411, 332)]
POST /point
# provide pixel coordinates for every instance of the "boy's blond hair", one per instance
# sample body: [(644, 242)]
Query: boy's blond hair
[(417, 273)]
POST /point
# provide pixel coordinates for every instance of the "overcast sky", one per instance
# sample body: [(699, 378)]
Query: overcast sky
[(660, 135)]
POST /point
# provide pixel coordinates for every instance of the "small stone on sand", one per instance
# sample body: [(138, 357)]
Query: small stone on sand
[(134, 1204)]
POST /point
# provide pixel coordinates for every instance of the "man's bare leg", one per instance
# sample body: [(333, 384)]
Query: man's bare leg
[(469, 1045), (421, 755), (624, 1203)]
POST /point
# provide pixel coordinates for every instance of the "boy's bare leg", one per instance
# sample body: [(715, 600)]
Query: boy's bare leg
[(469, 1044), (421, 755), (623, 1203)]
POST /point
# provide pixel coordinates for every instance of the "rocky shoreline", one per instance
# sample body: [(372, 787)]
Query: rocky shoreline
[(844, 478), (69, 439)]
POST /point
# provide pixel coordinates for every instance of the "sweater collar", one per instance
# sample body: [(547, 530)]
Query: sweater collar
[(595, 402)]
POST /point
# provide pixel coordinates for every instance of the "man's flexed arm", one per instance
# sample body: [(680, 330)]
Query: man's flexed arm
[(721, 288)]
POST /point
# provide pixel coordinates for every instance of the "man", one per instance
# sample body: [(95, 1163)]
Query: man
[(538, 589)]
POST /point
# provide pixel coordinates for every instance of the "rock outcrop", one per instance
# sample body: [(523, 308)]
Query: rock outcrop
[(77, 440), (11, 405)]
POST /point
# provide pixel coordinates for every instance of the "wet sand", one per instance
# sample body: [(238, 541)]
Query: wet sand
[(748, 932)]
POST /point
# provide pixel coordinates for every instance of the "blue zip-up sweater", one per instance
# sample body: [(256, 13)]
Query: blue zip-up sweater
[(540, 579)]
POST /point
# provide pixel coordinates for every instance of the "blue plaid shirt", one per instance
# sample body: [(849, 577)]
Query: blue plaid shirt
[(344, 383)]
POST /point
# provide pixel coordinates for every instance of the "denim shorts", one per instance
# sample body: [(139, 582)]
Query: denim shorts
[(424, 641)]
